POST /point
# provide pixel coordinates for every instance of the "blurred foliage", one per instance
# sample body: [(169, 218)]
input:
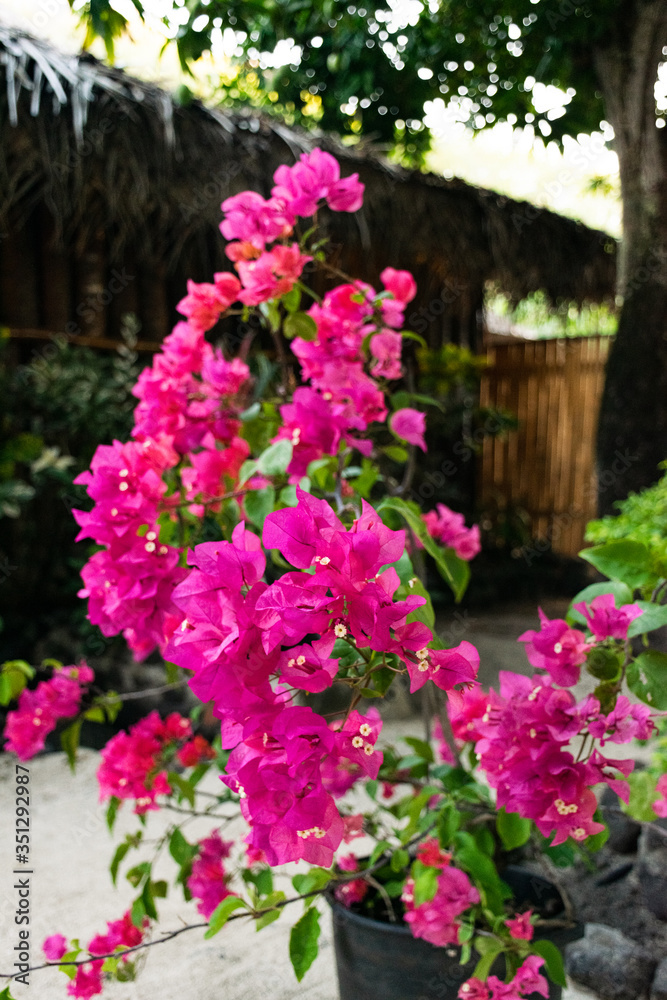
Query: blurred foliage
[(369, 68), (567, 319), (57, 408), (642, 517)]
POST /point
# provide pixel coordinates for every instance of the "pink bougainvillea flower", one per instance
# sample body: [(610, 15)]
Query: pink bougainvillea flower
[(39, 710), (55, 947), (353, 827), (430, 853), (308, 666), (315, 177), (409, 425), (445, 667), (87, 981), (205, 302), (528, 979), (272, 275), (386, 348), (520, 927), (355, 890), (403, 289), (448, 528), (253, 220), (208, 880), (605, 620), (435, 920), (473, 989), (660, 805), (196, 751), (557, 648)]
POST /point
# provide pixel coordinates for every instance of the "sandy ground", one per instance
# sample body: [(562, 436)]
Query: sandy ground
[(71, 891)]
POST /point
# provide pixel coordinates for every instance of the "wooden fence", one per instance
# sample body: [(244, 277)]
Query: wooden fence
[(547, 465)]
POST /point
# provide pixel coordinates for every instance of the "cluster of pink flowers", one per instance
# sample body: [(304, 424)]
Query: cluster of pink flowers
[(250, 645), (87, 981), (39, 710), (354, 891), (526, 980), (660, 805), (186, 420), (208, 881), (436, 920), (524, 735), (129, 582), (133, 763), (448, 528), (343, 399), (252, 221)]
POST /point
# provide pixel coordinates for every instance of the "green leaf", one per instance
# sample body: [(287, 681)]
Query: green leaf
[(604, 663), (159, 889), (121, 851), (138, 912), (180, 849), (300, 324), (553, 960), (410, 335), (6, 995), (624, 560), (271, 313), (70, 956), (513, 830), (489, 949), (184, 787), (303, 943), (95, 714), (69, 741), (396, 453), (647, 678), (426, 882), (562, 855), (258, 504), (275, 459), (288, 496), (378, 851), (653, 616), (364, 483), (400, 860), (268, 918), (621, 592), (6, 694), (292, 299), (448, 824), (222, 913), (454, 570), (135, 876), (478, 864), (421, 748), (111, 811), (642, 796), (13, 679), (311, 881)]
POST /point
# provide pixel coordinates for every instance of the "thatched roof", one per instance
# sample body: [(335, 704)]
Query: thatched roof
[(108, 153)]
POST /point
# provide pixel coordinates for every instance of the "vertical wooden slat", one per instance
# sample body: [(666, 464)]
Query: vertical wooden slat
[(546, 466)]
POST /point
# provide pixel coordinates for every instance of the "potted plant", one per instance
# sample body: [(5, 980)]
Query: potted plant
[(268, 547)]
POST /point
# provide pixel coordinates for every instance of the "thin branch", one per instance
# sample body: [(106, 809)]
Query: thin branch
[(136, 695), (255, 914)]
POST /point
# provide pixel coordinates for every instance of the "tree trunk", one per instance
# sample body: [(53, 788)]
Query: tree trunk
[(632, 432)]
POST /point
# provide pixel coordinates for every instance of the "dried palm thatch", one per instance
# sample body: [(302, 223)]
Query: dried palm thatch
[(114, 163)]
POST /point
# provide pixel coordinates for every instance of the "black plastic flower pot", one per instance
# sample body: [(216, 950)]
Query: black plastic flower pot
[(383, 961)]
